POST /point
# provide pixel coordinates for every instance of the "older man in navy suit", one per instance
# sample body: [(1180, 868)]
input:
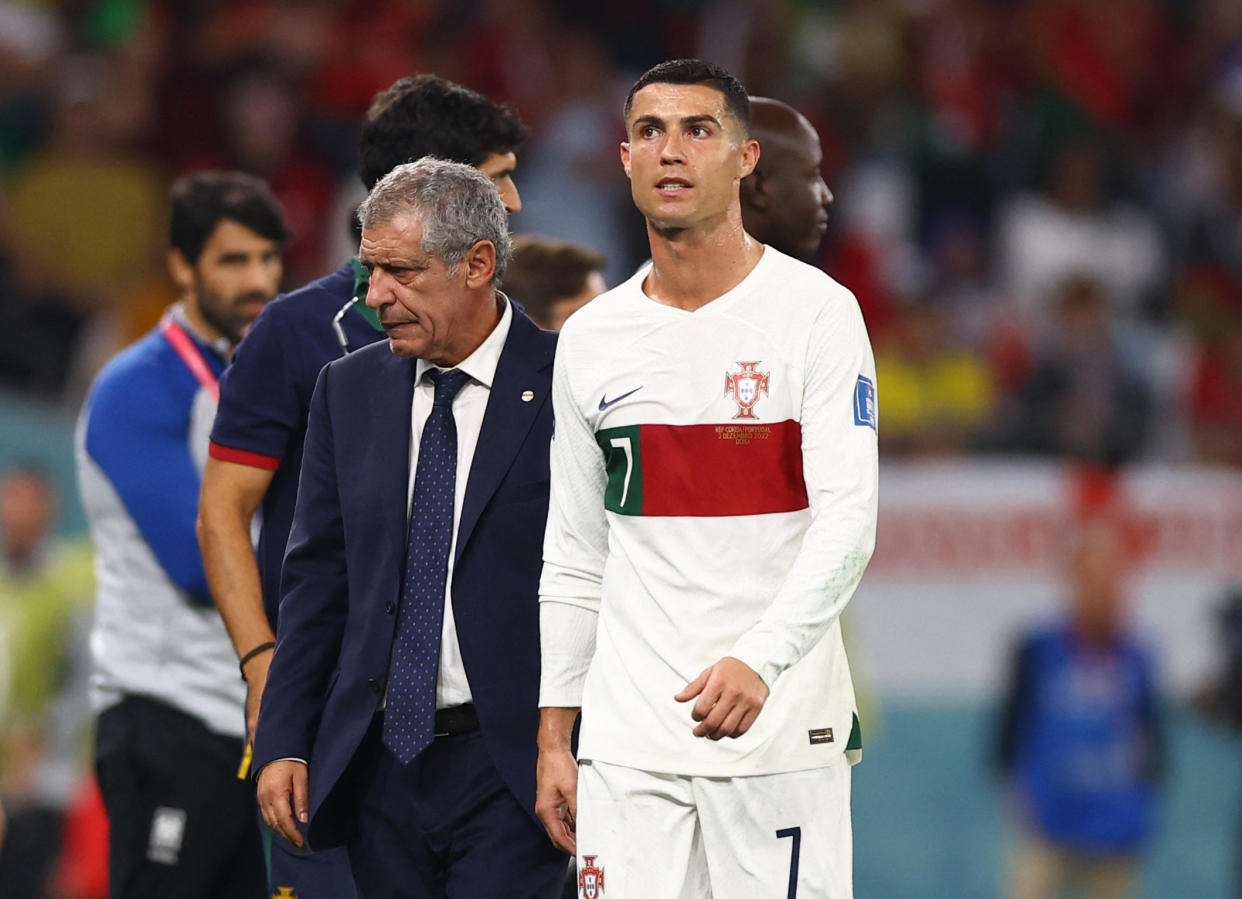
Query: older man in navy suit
[(400, 713)]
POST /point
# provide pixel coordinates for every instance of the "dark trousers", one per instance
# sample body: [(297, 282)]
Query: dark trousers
[(445, 827), (301, 873), (181, 823), (32, 843)]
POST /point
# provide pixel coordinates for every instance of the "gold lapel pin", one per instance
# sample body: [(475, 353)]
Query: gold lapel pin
[(528, 395)]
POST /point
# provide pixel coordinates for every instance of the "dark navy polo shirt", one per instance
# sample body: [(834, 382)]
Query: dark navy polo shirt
[(265, 399)]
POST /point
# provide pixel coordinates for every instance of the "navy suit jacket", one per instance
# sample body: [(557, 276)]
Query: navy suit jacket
[(347, 549)]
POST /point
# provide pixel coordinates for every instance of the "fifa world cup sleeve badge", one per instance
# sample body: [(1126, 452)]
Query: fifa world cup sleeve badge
[(590, 878), (864, 403)]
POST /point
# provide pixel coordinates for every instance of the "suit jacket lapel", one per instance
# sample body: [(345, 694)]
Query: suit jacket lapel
[(389, 402), (523, 366)]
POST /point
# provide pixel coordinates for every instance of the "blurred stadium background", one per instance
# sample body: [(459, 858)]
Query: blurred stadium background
[(1038, 205)]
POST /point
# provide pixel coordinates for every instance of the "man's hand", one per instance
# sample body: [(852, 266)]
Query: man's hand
[(556, 778), (730, 697), (256, 680), (556, 797), (284, 792)]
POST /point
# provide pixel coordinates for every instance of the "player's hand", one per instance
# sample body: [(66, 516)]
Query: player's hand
[(556, 796), (730, 697), (256, 680), (284, 792)]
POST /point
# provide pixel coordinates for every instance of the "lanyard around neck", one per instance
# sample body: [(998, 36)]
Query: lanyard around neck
[(191, 355)]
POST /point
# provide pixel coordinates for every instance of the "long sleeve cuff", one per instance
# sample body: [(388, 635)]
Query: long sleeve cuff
[(567, 644)]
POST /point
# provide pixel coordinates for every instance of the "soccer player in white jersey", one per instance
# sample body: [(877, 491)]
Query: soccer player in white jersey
[(713, 508)]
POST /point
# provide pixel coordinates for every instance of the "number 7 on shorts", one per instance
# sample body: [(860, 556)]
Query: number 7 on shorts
[(796, 834)]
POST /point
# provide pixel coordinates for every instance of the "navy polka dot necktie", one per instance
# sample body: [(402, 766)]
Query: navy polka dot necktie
[(410, 709)]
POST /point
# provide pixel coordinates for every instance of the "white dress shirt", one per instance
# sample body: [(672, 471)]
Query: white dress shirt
[(452, 686)]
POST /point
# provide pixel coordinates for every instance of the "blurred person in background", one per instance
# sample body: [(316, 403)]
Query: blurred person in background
[(571, 152), (1216, 392), (785, 201), (1080, 744), (165, 687), (1220, 697), (1216, 401), (83, 219), (1076, 225), (1084, 397), (256, 446), (1210, 306), (937, 392), (552, 279), (45, 601), (1208, 237), (262, 120)]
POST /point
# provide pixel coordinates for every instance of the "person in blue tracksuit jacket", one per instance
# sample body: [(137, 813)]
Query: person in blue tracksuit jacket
[(164, 682)]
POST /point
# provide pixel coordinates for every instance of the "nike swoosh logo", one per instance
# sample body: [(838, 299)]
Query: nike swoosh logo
[(604, 403)]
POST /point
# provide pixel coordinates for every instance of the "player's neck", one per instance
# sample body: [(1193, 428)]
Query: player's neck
[(199, 323), (692, 267)]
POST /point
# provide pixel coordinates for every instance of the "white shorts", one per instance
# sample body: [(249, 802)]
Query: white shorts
[(663, 836)]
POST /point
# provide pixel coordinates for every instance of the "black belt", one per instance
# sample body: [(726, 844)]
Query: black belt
[(460, 719)]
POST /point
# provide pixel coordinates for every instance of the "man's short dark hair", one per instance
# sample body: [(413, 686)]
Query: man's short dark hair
[(545, 270), (696, 71), (427, 115), (200, 201)]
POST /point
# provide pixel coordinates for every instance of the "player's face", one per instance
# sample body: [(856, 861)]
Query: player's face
[(799, 198), (685, 156), (499, 167), (426, 308), (236, 275)]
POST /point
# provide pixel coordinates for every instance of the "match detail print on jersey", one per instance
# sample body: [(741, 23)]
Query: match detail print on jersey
[(704, 470)]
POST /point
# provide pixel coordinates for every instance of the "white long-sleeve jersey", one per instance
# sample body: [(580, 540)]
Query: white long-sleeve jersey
[(714, 487)]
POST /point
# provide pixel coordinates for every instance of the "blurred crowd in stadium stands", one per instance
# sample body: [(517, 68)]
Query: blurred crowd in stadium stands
[(1039, 201)]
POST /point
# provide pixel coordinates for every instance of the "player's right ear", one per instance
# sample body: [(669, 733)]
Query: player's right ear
[(180, 269), (625, 157), (750, 156)]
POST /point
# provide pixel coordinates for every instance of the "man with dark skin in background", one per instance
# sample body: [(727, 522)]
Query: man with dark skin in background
[(785, 200)]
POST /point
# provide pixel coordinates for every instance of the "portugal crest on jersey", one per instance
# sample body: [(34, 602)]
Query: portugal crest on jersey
[(745, 385), (590, 878)]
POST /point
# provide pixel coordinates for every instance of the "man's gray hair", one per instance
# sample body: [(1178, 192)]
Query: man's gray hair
[(456, 204)]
